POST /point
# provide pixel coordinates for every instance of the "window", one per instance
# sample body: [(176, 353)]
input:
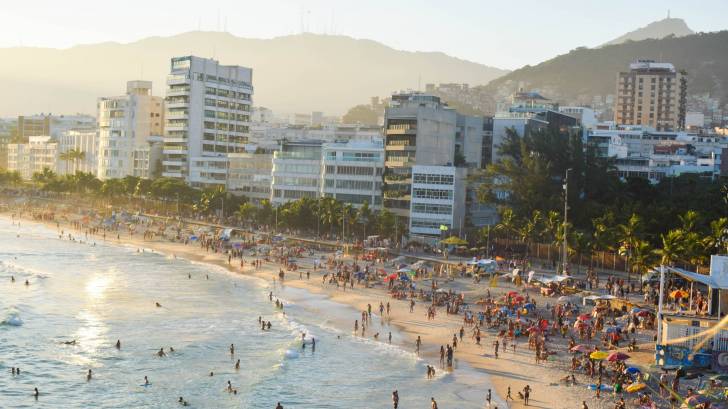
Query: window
[(433, 179), (354, 184), (355, 170), (431, 208), (353, 199), (438, 194)]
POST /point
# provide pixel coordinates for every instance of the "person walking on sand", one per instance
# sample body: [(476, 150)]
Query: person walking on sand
[(508, 396), (418, 343), (526, 394)]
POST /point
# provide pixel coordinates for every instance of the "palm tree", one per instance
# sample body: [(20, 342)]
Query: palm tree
[(246, 212), (507, 223), (627, 235), (643, 257), (717, 240), (671, 247), (529, 230)]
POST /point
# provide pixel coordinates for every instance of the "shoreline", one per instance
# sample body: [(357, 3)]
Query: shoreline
[(513, 370)]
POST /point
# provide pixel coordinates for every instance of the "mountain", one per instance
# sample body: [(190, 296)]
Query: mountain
[(657, 30), (576, 77), (296, 73)]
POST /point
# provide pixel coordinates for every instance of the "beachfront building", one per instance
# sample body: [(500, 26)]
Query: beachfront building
[(41, 152), (653, 94), (419, 130), (126, 123), (437, 207), (249, 175), (296, 171), (78, 151), (352, 172), (689, 329), (207, 117), (147, 158), (640, 151), (51, 125)]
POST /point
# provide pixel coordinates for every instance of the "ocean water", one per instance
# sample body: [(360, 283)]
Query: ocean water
[(98, 294)]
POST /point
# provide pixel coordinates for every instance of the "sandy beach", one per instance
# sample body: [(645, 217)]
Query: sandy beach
[(512, 369)]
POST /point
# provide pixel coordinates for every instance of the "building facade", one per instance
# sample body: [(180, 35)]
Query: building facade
[(652, 94), (296, 171), (437, 207), (126, 123), (352, 172), (41, 152), (207, 117), (84, 142), (249, 175), (419, 130)]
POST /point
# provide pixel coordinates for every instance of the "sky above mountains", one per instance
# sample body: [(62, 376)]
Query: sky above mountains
[(496, 33)]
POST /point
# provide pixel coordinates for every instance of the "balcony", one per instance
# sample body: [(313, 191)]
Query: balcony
[(176, 127), (177, 79), (178, 91), (176, 104)]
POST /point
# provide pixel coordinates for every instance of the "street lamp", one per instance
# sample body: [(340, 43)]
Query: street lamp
[(565, 257)]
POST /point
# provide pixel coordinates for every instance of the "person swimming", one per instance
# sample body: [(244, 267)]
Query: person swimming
[(157, 304), (229, 386), (161, 353), (146, 381), (171, 350)]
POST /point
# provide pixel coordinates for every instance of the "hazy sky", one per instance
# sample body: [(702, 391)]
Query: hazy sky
[(506, 34)]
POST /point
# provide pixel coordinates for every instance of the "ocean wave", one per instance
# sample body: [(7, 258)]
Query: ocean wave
[(12, 319)]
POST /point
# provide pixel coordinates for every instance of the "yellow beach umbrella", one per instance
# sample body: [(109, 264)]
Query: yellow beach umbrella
[(598, 355), (635, 387)]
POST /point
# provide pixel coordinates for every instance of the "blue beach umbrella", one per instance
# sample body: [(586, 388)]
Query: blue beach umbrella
[(632, 370), (529, 306)]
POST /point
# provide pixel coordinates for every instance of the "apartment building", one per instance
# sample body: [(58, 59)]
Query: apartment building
[(352, 172), (39, 153), (249, 175), (80, 147), (653, 155), (51, 125), (419, 130), (296, 171), (126, 123), (207, 117), (652, 94), (438, 201)]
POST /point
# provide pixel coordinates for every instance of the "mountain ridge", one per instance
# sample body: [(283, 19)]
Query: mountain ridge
[(293, 73), (657, 29)]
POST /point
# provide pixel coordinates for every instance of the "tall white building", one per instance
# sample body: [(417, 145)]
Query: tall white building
[(125, 124), (438, 199), (208, 108), (296, 171), (85, 141)]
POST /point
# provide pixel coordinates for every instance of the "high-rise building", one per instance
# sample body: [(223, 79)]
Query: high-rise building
[(651, 94), (352, 172), (126, 123), (419, 130), (208, 108)]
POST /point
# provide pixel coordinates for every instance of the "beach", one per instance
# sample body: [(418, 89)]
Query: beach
[(512, 369)]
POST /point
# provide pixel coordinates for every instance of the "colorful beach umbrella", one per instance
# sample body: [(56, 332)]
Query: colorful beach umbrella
[(530, 306), (644, 313), (617, 356), (598, 355), (631, 370), (635, 387), (679, 294)]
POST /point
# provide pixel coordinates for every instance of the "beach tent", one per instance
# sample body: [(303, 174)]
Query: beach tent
[(454, 241)]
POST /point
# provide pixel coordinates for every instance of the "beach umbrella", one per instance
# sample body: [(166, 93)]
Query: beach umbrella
[(584, 317), (635, 310), (617, 356), (598, 355), (512, 293), (530, 306), (635, 387), (679, 294), (631, 370), (581, 348)]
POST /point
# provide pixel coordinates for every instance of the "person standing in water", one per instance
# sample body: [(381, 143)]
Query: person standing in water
[(418, 343), (237, 365), (232, 349), (88, 376), (146, 381), (118, 344), (395, 399), (35, 393)]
